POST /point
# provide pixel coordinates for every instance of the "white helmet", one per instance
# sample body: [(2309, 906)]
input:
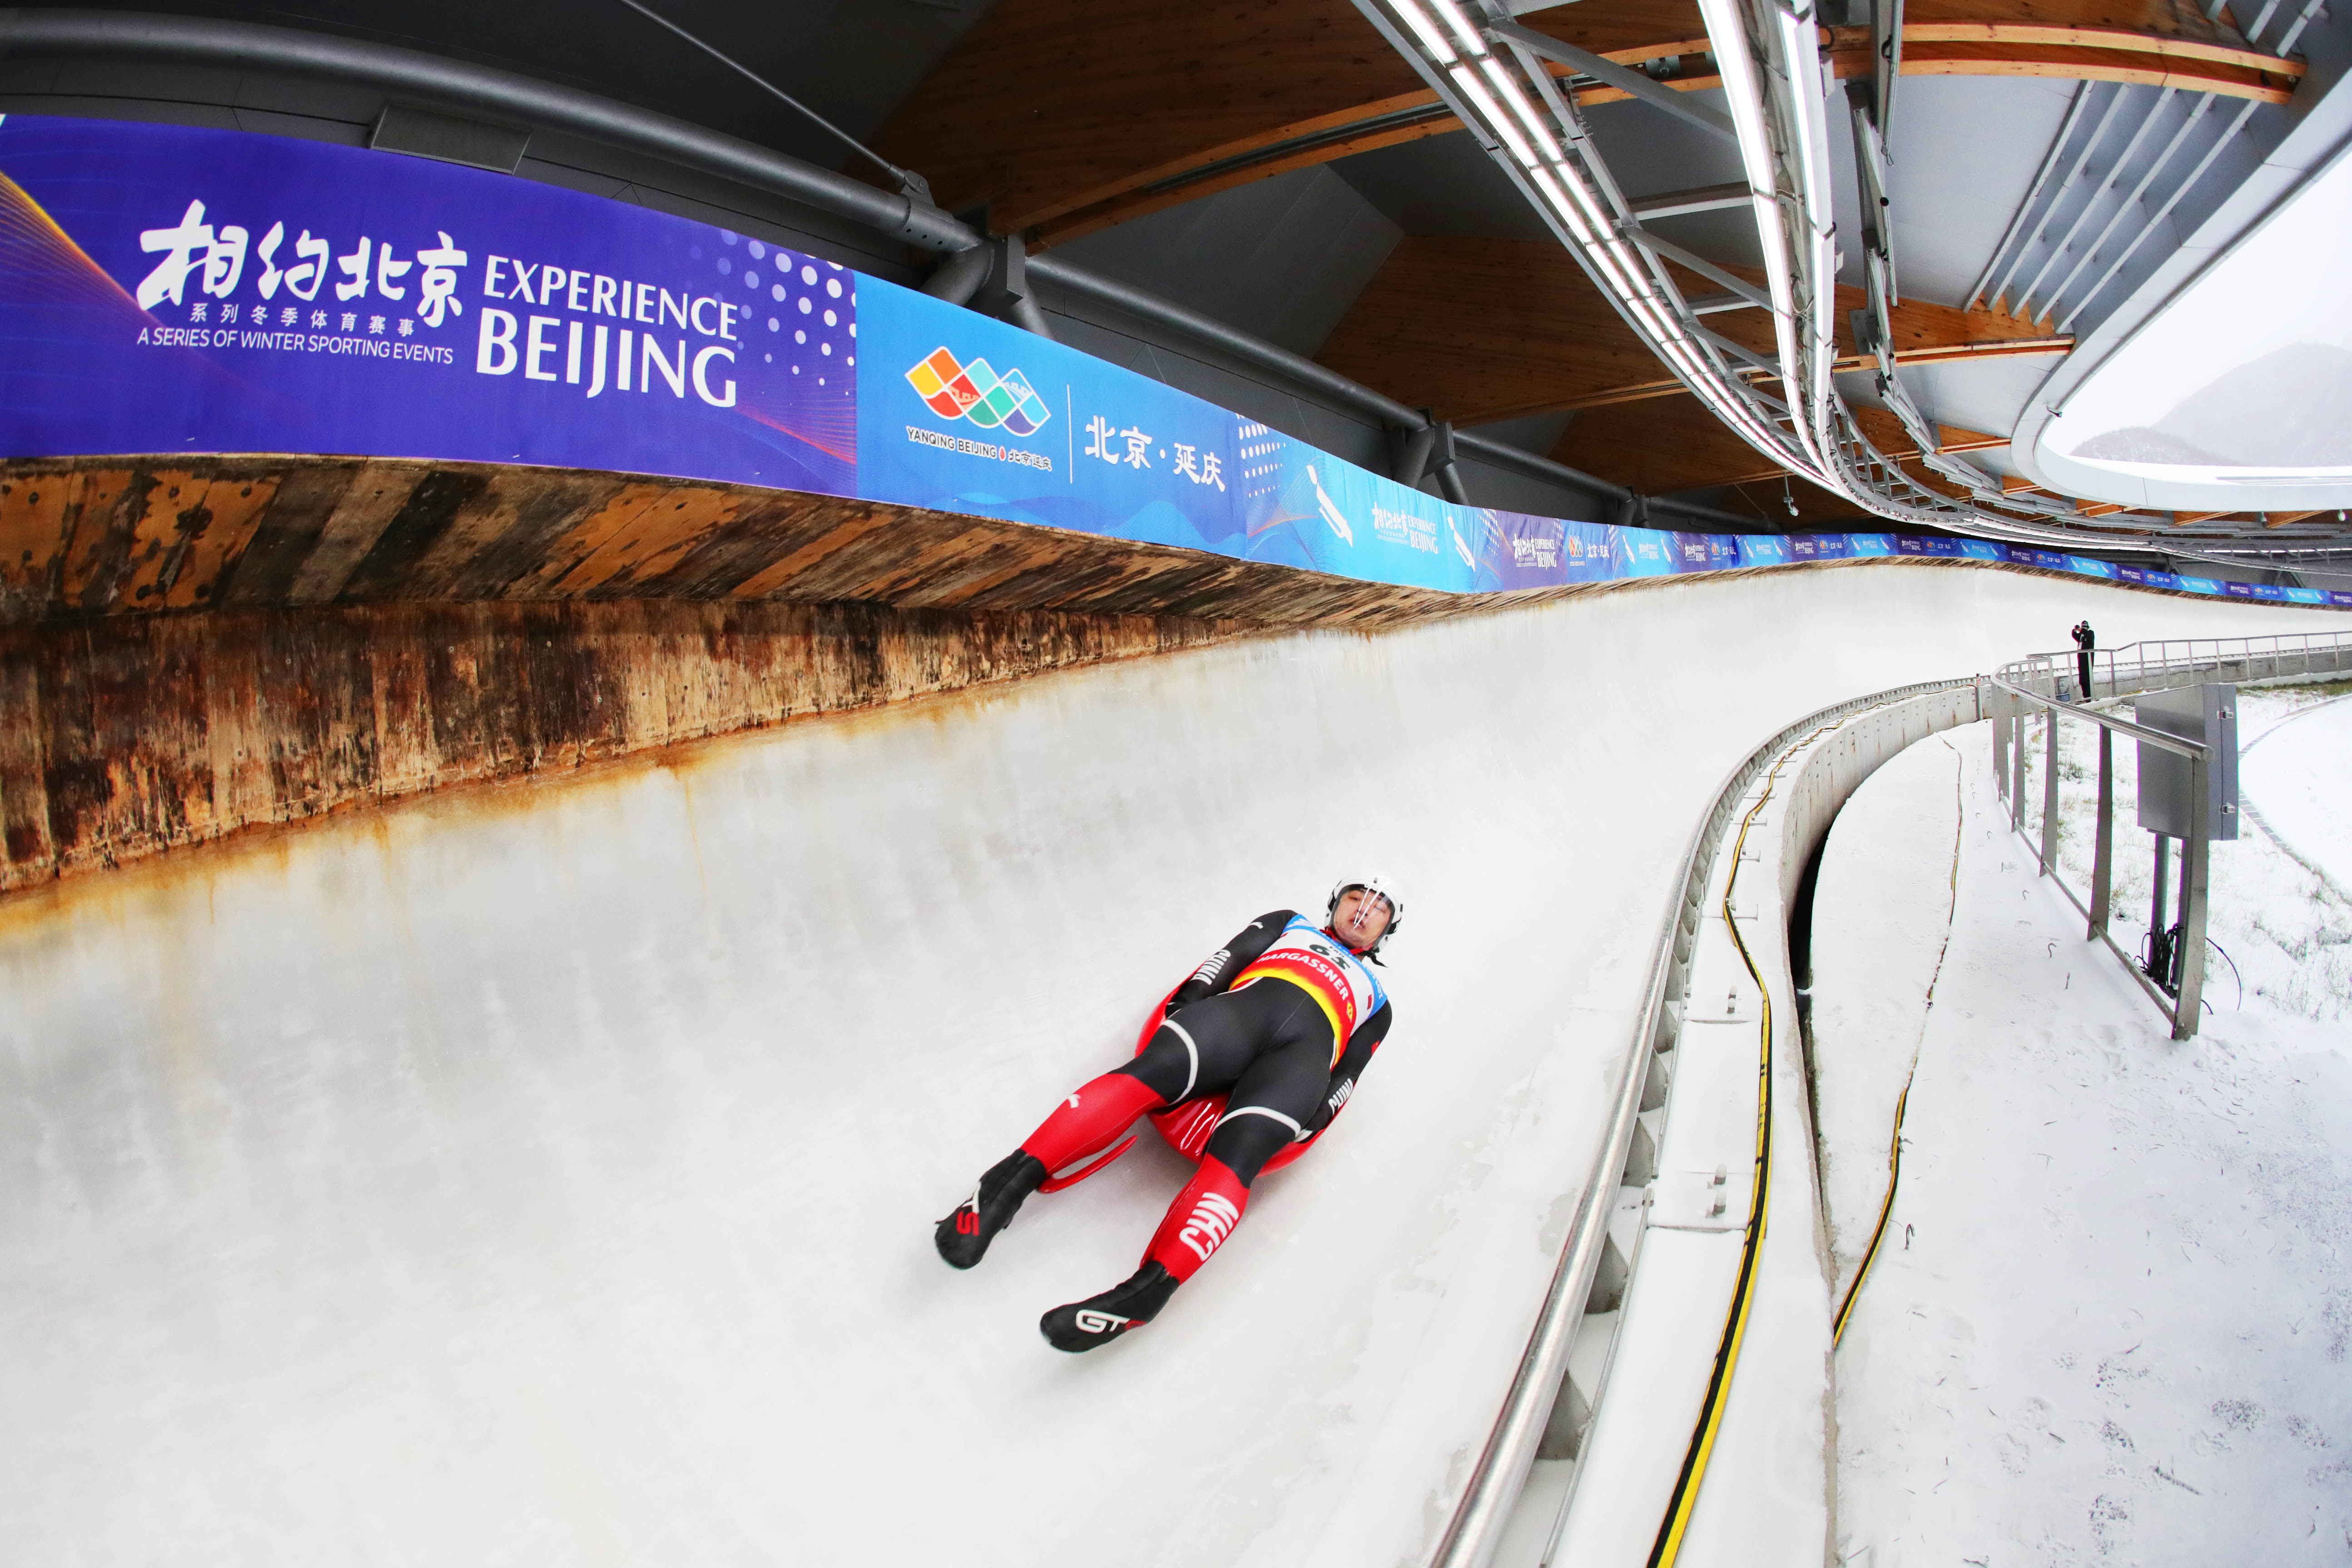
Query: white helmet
[(1379, 886)]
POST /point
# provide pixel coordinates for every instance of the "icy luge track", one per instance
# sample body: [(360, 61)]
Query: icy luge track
[(1555, 1397), (547, 1172)]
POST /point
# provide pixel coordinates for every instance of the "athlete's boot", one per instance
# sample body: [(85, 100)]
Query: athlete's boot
[(964, 1237), (1099, 1319)]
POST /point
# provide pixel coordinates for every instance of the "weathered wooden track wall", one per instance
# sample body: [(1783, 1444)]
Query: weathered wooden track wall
[(129, 535), (189, 647), (126, 735)]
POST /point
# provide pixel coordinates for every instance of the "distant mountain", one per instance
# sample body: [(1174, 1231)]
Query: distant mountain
[(2147, 444), (2292, 408)]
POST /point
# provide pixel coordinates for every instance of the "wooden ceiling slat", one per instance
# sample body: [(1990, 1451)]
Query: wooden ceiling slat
[(1482, 329), (2182, 21), (1471, 326), (1662, 445), (1086, 219), (1887, 434), (1046, 103), (2220, 49), (1069, 115), (2052, 62)]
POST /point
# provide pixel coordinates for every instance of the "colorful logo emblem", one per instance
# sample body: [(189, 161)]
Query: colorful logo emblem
[(977, 393)]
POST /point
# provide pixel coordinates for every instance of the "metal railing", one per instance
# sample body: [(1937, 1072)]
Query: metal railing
[(2008, 715), (2183, 662), (1476, 1530)]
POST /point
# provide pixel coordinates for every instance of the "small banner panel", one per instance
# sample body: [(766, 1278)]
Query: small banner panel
[(166, 289)]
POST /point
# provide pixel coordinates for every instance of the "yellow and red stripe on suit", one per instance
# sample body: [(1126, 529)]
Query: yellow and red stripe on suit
[(1327, 970)]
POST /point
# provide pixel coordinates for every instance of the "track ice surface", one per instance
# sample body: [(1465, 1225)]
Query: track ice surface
[(547, 1174)]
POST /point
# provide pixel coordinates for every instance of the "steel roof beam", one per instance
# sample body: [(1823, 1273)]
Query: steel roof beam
[(1698, 199), (1608, 73)]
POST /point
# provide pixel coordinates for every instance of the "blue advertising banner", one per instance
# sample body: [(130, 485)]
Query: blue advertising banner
[(961, 412), (174, 289), (167, 288)]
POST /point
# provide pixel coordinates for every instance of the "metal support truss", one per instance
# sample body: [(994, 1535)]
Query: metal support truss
[(1496, 75)]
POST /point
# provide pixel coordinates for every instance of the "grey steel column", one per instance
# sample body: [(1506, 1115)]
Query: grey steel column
[(958, 277), (2196, 856), (2050, 793), (2102, 852)]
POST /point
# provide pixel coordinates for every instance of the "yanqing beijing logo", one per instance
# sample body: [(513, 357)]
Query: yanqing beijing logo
[(975, 392)]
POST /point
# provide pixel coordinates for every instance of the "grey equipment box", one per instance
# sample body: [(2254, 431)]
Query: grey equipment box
[(2207, 714)]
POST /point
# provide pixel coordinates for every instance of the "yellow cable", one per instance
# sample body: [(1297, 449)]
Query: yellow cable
[(1885, 1210), (1735, 1329), (1895, 1145)]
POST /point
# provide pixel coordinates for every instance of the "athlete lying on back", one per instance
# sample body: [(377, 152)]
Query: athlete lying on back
[(1281, 1021)]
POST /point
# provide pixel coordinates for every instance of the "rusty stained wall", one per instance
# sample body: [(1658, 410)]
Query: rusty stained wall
[(189, 646), (115, 536), (124, 735)]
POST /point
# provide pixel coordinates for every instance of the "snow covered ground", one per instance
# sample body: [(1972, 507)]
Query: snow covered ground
[(2296, 764), (2280, 918), (2111, 1319)]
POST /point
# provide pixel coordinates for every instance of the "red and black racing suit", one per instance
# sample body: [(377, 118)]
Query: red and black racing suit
[(1266, 1034)]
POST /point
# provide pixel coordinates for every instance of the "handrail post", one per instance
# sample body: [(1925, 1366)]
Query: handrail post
[(2050, 792), (2195, 858), (2103, 851), (2002, 706), (2017, 772)]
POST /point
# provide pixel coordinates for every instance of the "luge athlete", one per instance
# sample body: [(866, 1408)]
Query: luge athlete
[(1282, 1020)]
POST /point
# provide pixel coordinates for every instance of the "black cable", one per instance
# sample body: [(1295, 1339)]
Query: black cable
[(2233, 963), (910, 183)]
